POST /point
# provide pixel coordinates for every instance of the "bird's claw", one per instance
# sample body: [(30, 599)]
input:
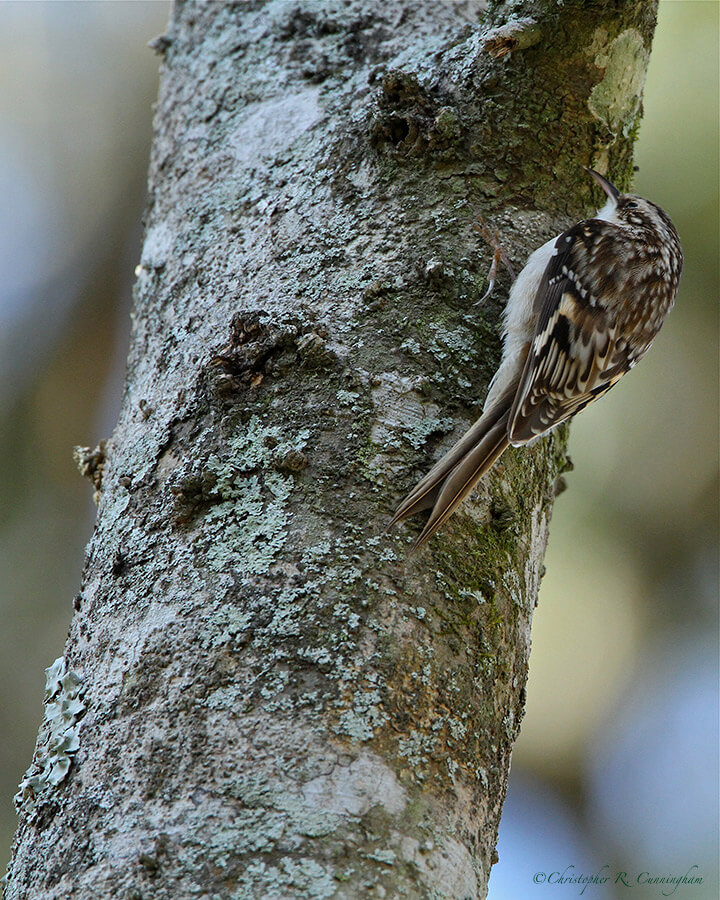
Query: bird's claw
[(492, 238)]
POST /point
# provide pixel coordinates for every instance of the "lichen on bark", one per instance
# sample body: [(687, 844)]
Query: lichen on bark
[(281, 700)]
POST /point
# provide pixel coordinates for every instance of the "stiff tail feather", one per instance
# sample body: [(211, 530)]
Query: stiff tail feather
[(452, 478)]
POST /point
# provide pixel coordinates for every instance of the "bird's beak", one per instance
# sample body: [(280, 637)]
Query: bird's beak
[(609, 188)]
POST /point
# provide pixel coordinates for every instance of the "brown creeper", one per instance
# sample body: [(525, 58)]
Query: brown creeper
[(583, 311)]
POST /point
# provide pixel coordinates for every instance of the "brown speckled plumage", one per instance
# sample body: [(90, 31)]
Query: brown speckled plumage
[(584, 310)]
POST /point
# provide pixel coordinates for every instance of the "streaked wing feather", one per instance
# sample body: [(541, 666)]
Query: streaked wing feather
[(575, 355)]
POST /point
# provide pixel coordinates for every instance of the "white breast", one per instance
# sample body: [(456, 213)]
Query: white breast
[(520, 319)]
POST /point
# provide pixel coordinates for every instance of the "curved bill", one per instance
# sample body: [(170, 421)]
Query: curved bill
[(609, 188)]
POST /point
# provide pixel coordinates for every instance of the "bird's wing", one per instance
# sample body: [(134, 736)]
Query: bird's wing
[(576, 354)]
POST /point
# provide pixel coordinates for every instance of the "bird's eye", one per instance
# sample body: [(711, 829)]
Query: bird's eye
[(631, 204)]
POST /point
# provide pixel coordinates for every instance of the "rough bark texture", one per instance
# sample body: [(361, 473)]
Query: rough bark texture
[(263, 695)]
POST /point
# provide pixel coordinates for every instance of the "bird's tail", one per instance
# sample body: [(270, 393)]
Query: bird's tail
[(453, 477)]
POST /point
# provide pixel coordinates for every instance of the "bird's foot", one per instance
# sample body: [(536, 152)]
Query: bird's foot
[(492, 238)]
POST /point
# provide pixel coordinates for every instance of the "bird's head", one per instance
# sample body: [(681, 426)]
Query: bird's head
[(629, 209)]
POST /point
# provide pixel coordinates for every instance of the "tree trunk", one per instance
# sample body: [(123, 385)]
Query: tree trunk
[(263, 694)]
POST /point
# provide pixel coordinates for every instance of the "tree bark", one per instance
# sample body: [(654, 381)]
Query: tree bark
[(263, 694)]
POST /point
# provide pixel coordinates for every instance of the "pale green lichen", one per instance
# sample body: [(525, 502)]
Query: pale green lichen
[(616, 99), (384, 856), (387, 554), (58, 739), (222, 698), (364, 718), (250, 545), (466, 594), (411, 346), (417, 748), (458, 729), (451, 347), (418, 433), (321, 656), (307, 820), (289, 877), (247, 530), (343, 611), (226, 624), (347, 398)]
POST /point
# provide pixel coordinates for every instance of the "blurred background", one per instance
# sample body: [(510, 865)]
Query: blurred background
[(617, 763)]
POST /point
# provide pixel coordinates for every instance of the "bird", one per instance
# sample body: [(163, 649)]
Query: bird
[(582, 312)]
